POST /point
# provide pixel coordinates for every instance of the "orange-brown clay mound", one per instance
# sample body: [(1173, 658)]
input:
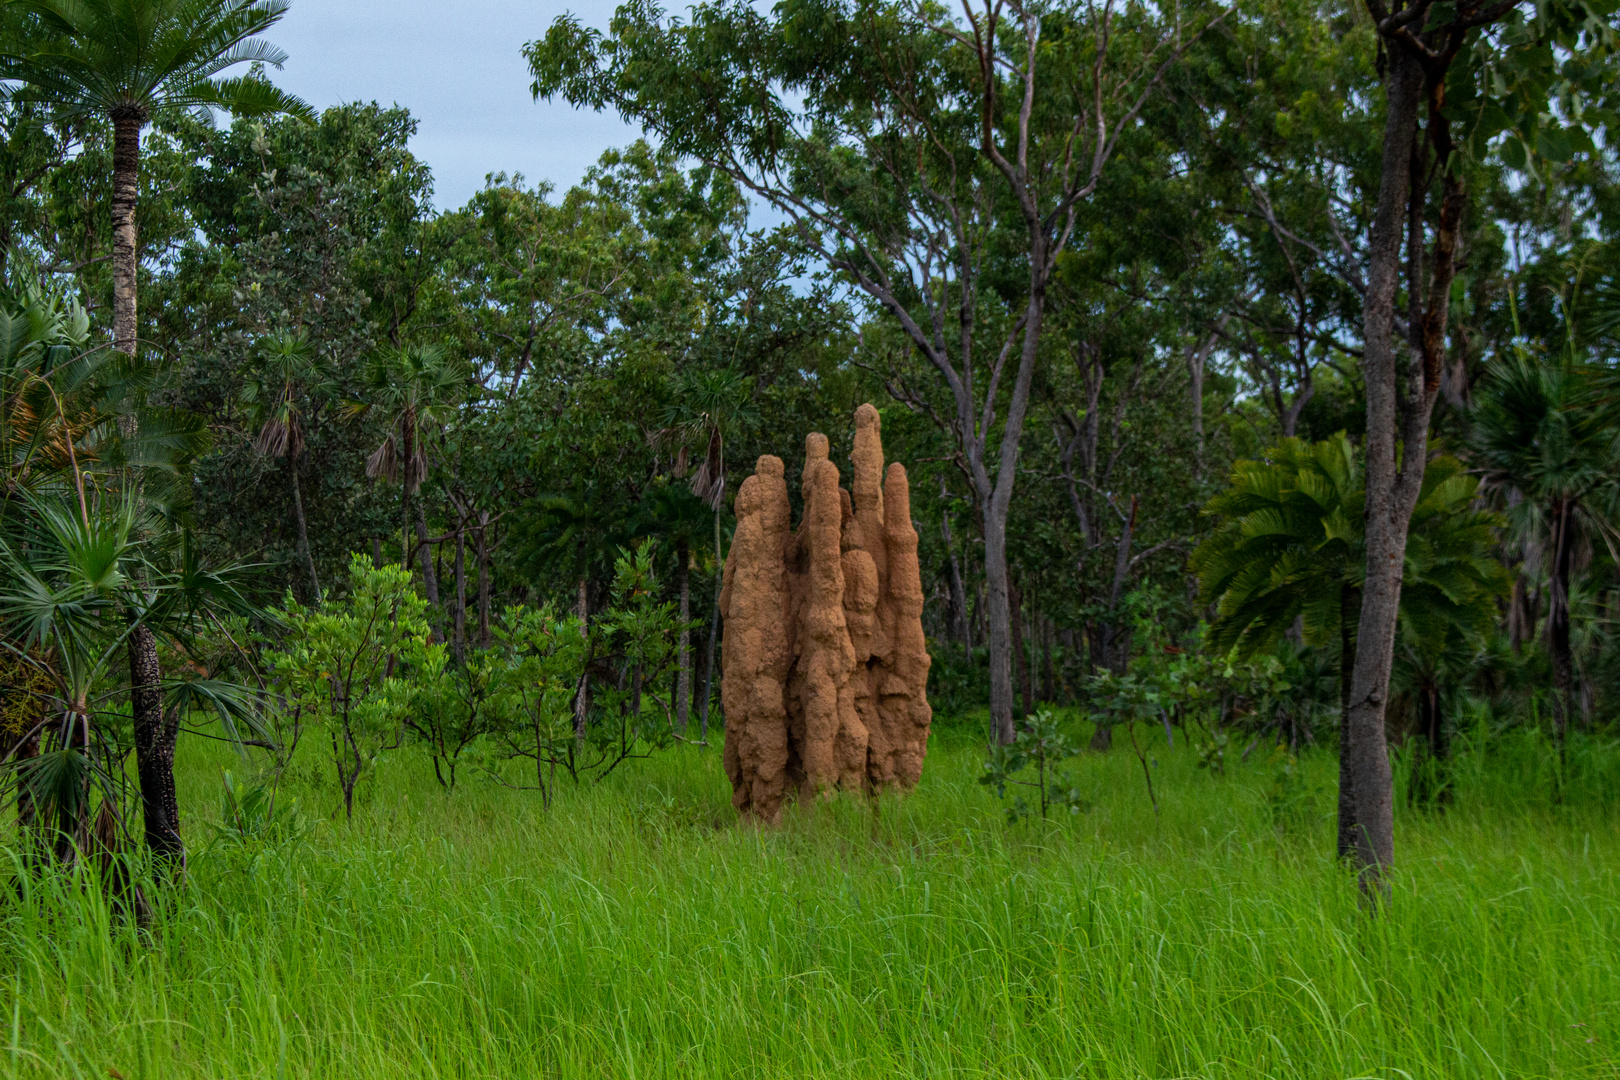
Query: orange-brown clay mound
[(824, 666)]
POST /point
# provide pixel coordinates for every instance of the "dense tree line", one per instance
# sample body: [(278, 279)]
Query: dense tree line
[(1278, 334)]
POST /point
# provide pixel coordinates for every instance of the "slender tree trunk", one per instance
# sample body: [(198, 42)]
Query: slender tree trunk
[(430, 580), (998, 620), (1558, 643), (714, 636), (1116, 638), (484, 583), (582, 703), (127, 124), (461, 596), (1048, 676), (683, 658), (155, 736), (958, 593), (1347, 665), (303, 528)]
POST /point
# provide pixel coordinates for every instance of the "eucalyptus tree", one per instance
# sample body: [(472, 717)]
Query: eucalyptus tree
[(913, 151)]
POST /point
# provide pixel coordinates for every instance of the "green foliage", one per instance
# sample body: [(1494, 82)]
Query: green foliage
[(1040, 748), (339, 668)]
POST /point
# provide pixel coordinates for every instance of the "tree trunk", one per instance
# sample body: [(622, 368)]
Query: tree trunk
[(155, 737), (958, 593), (714, 636), (999, 626), (1048, 676), (1347, 665), (1558, 644), (484, 583), (582, 702), (303, 528), (127, 124), (683, 656), (461, 597), (1397, 440), (430, 580)]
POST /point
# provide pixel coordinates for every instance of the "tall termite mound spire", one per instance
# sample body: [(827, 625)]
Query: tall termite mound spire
[(824, 667)]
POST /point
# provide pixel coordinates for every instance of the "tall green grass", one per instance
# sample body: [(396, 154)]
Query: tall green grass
[(637, 930)]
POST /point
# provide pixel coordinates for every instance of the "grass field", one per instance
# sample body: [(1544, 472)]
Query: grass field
[(637, 930)]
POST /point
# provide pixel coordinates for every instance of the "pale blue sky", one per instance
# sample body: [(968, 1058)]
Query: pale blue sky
[(459, 69)]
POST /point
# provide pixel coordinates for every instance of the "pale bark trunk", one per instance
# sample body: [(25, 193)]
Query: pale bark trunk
[(1015, 600)]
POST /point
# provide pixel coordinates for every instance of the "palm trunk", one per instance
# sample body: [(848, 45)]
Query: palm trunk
[(303, 528), (714, 636), (155, 737), (127, 124), (683, 658)]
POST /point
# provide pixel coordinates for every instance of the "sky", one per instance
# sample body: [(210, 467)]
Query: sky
[(458, 66)]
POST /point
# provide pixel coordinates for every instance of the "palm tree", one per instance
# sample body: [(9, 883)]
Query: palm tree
[(134, 62), (679, 517), (1550, 465), (708, 403), (417, 387), (279, 392)]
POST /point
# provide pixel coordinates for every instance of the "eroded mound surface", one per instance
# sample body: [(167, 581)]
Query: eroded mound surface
[(824, 667)]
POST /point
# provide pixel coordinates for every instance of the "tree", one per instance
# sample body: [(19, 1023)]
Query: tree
[(132, 62), (280, 391), (417, 388), (1438, 111), (921, 150)]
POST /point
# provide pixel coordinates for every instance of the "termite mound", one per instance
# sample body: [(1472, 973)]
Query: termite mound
[(824, 669)]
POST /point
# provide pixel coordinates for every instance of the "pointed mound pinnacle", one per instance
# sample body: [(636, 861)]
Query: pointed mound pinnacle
[(824, 667)]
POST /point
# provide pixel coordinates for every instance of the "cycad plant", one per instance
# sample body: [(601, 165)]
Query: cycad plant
[(1289, 546)]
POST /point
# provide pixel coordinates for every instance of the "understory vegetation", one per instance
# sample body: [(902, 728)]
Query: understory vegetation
[(639, 930)]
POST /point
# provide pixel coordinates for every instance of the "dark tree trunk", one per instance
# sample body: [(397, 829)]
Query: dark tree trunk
[(461, 597), (303, 527), (1048, 676), (683, 658), (964, 634), (1558, 643), (484, 583), (582, 702), (1347, 665), (156, 733)]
